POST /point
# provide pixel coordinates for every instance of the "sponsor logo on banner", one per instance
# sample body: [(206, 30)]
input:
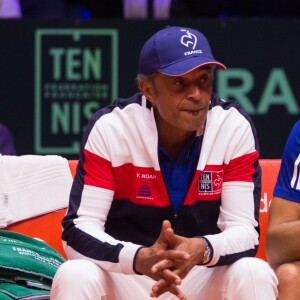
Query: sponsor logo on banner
[(76, 73)]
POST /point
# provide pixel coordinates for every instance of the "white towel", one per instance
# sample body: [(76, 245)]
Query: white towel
[(32, 185)]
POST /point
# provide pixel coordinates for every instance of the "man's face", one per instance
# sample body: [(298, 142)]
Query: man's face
[(182, 102)]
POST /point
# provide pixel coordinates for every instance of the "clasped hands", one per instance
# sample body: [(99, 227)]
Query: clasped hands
[(169, 260)]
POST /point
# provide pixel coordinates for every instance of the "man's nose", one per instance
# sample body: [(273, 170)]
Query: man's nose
[(194, 92)]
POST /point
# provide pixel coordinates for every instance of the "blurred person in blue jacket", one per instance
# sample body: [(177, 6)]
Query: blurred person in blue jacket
[(7, 145), (10, 9), (282, 244)]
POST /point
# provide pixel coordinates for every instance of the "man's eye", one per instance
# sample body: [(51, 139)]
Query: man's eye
[(179, 82), (204, 79)]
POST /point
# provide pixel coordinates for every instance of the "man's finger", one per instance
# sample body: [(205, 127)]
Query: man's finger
[(162, 241), (163, 264), (171, 257), (172, 288)]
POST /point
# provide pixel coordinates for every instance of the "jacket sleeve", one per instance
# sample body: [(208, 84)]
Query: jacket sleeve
[(90, 200), (240, 200)]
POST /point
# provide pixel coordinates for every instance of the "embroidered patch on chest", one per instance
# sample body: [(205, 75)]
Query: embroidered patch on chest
[(210, 182)]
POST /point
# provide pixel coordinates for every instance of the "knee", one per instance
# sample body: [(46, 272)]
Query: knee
[(76, 270), (252, 278), (80, 278), (288, 274), (254, 270)]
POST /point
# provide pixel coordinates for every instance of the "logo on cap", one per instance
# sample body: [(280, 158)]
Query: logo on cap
[(188, 39)]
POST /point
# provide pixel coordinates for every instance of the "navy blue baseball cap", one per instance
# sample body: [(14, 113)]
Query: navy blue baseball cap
[(175, 51)]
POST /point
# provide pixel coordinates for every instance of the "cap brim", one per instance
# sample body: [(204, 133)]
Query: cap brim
[(186, 66)]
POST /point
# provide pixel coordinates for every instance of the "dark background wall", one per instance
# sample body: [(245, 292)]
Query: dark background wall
[(55, 73)]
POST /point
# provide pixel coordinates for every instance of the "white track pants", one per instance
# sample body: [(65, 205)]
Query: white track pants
[(246, 279)]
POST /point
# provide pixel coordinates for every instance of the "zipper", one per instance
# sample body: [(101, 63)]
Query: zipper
[(175, 221)]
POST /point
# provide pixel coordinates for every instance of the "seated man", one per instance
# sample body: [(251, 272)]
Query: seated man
[(283, 243), (167, 191)]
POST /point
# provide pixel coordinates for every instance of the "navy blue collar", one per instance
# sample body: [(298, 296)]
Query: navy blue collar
[(178, 175)]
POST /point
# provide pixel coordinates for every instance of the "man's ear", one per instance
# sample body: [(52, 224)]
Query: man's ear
[(147, 89)]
